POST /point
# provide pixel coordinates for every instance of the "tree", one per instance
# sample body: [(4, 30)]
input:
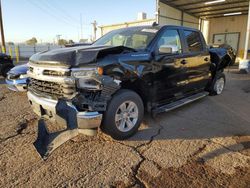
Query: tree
[(10, 43), (62, 42), (71, 42), (83, 40), (32, 41)]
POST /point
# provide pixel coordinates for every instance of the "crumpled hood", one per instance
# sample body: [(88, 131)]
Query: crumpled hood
[(76, 56)]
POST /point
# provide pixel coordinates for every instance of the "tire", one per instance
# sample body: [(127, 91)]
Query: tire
[(218, 84), (118, 117)]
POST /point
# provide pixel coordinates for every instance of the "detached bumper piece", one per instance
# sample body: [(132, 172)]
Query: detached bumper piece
[(64, 114)]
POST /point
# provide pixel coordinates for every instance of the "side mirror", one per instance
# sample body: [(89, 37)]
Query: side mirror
[(167, 49)]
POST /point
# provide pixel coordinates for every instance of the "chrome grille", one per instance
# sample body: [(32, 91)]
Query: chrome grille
[(55, 90), (56, 73)]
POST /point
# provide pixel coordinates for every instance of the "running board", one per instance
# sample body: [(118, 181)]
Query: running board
[(179, 103)]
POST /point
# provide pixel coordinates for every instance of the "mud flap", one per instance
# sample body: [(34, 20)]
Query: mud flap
[(47, 142)]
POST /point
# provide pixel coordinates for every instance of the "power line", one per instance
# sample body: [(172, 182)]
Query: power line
[(48, 10), (81, 24), (59, 11), (59, 8), (49, 13)]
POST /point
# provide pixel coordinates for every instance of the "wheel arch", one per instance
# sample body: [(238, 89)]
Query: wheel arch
[(138, 87)]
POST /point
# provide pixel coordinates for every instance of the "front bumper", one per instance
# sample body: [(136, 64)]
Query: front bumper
[(17, 85), (49, 108), (60, 112)]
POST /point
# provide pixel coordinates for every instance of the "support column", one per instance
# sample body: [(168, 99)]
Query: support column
[(245, 63), (157, 11), (247, 34), (182, 18)]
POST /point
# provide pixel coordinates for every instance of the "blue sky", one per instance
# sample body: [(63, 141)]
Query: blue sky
[(44, 19)]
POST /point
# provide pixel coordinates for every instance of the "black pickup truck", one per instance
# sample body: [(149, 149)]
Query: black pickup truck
[(111, 83)]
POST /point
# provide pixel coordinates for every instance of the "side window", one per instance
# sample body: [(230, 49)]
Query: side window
[(193, 41), (171, 38)]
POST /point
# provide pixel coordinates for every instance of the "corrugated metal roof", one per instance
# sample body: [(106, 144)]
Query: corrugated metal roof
[(198, 8)]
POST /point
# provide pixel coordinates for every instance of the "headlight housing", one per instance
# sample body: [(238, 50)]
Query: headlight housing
[(87, 78), (12, 76), (84, 72)]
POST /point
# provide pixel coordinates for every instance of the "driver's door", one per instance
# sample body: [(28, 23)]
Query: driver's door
[(170, 82)]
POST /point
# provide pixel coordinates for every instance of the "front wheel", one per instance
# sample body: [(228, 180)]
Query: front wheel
[(124, 115), (218, 84)]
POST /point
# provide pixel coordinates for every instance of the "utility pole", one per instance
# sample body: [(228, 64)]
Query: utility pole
[(81, 37), (58, 38), (94, 29), (2, 30)]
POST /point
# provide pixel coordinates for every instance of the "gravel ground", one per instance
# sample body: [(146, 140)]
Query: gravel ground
[(204, 144)]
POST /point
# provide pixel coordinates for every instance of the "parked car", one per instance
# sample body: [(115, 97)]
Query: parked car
[(112, 82), (17, 78), (6, 64)]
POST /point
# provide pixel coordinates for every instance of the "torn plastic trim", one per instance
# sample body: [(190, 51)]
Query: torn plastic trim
[(220, 59), (97, 99)]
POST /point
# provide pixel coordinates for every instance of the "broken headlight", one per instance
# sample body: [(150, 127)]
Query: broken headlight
[(84, 72), (87, 78)]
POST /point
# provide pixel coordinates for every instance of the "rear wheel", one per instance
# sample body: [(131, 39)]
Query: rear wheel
[(124, 115), (218, 84)]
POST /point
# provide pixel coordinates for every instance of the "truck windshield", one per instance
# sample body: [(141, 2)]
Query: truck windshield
[(137, 38)]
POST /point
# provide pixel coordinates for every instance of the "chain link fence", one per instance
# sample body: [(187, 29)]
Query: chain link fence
[(23, 52)]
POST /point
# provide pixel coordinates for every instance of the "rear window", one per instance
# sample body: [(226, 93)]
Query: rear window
[(193, 41)]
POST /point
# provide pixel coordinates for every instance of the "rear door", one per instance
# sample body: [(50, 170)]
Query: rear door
[(197, 60)]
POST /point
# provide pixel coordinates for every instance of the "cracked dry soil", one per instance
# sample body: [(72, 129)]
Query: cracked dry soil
[(173, 150)]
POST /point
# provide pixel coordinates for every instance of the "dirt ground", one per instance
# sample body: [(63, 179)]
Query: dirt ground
[(204, 144)]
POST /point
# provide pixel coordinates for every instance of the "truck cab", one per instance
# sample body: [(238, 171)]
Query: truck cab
[(111, 83)]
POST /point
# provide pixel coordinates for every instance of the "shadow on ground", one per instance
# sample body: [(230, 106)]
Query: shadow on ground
[(2, 80)]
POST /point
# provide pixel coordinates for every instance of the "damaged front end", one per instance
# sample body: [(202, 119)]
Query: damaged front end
[(70, 100)]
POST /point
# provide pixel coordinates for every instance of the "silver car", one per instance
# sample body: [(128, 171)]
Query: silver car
[(17, 79)]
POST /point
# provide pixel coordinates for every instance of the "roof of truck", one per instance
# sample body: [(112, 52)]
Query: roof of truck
[(158, 27)]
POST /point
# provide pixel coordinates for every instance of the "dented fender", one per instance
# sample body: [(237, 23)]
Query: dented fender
[(220, 59)]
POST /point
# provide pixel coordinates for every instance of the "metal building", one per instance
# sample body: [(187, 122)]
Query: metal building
[(141, 20), (221, 21)]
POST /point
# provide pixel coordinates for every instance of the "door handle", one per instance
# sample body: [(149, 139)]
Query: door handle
[(183, 62)]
